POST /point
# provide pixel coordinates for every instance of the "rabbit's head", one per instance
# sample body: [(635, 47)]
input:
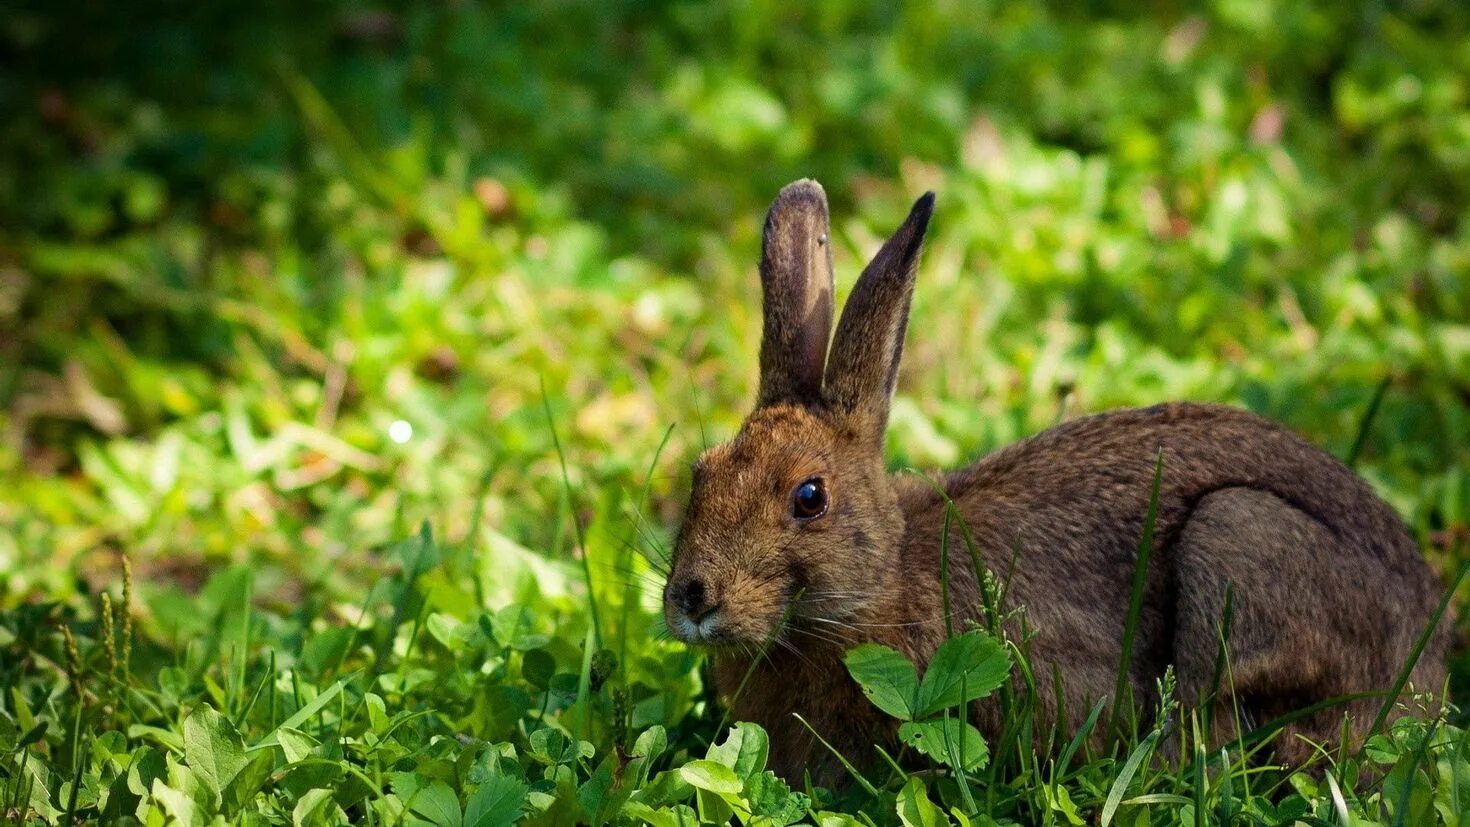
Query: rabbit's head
[(794, 519)]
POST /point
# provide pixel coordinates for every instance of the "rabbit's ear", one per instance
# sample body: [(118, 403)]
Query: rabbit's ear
[(796, 278), (863, 370)]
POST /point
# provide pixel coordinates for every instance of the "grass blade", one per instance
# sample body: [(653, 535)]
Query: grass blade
[(584, 684), (1366, 423), (1081, 735), (1125, 777), (1339, 804), (305, 713), (1135, 599), (846, 764), (566, 481)]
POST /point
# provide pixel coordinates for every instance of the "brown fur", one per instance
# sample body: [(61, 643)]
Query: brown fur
[(1330, 591)]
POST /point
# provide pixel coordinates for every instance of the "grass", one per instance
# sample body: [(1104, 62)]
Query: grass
[(281, 285)]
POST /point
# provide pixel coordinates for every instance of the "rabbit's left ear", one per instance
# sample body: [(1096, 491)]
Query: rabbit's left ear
[(862, 370), (796, 279)]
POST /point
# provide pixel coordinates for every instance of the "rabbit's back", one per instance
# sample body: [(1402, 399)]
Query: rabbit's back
[(1316, 560)]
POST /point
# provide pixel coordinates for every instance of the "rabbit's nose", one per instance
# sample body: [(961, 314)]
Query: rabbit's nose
[(692, 598)]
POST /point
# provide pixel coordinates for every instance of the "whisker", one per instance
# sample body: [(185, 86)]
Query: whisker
[(629, 578), (856, 625), (785, 644), (827, 638), (641, 528), (661, 563)]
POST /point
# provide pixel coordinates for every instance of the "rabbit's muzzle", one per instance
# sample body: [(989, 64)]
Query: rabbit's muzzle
[(691, 611), (728, 607)]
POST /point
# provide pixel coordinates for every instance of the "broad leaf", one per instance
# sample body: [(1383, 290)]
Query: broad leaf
[(770, 798), (296, 744), (496, 803), (947, 741), (213, 748), (1060, 800), (887, 678), (744, 751), (711, 775), (437, 803), (182, 809), (677, 816), (651, 743), (965, 667), (915, 809), (603, 794), (312, 808), (667, 787)]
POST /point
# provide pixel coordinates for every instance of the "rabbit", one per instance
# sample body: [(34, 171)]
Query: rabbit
[(797, 544)]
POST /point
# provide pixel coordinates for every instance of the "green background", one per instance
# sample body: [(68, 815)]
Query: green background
[(239, 241)]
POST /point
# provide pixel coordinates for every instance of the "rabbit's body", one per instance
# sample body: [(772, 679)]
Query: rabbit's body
[(1322, 570), (798, 542)]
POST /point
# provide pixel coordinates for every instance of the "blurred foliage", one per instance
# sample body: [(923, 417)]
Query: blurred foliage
[(280, 281)]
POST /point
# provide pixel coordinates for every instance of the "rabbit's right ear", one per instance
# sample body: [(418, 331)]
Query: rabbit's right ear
[(863, 370), (796, 278)]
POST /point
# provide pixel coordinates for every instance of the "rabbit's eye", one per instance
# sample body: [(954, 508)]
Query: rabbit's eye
[(809, 500)]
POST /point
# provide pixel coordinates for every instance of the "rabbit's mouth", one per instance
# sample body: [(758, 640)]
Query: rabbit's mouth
[(704, 631), (722, 629)]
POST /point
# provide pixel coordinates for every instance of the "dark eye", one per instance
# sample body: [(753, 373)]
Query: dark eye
[(809, 500)]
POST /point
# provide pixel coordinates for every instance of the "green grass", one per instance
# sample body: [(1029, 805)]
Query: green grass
[(242, 244)]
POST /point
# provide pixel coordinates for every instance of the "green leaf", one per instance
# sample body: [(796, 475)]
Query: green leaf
[(964, 668), (947, 741), (148, 766), (602, 794), (296, 744), (667, 787), (915, 809), (437, 803), (495, 803), (32, 736), (651, 743), (552, 746), (445, 630), (770, 798), (23, 715), (887, 678), (515, 625), (35, 777), (213, 748), (1381, 749), (1057, 798), (743, 751), (177, 804), (313, 808), (249, 781), (377, 710), (716, 808), (680, 815), (710, 775), (537, 667)]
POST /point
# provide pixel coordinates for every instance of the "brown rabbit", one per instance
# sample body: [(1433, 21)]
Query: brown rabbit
[(797, 543)]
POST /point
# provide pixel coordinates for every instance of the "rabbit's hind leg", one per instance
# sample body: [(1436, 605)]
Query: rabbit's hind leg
[(1290, 625)]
